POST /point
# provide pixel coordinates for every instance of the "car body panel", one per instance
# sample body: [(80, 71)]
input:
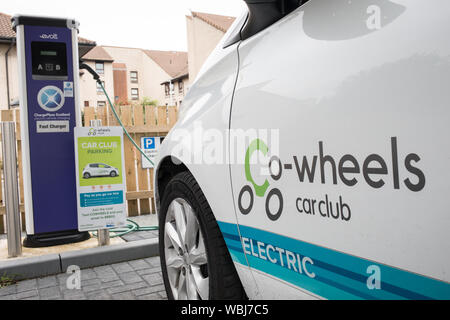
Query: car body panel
[(341, 92), (363, 85)]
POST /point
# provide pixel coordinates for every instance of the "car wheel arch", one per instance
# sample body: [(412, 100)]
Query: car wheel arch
[(168, 168), (168, 171)]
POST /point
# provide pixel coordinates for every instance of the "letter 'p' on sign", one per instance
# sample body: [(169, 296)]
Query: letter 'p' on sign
[(150, 146), (149, 143)]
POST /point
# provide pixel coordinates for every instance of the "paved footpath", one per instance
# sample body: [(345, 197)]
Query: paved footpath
[(132, 280)]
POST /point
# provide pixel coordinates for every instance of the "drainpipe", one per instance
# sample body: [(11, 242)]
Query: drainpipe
[(13, 41)]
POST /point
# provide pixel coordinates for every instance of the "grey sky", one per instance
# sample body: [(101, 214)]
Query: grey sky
[(149, 24)]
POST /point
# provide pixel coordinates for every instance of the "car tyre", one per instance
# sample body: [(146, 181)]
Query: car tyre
[(87, 176), (183, 193), (113, 174)]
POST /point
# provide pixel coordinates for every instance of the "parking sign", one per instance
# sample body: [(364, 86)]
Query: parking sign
[(150, 146)]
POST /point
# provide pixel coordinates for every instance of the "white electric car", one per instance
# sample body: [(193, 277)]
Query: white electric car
[(99, 170), (311, 157)]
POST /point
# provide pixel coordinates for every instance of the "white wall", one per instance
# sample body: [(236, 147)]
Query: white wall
[(150, 75), (88, 86), (202, 39), (13, 76), (155, 75)]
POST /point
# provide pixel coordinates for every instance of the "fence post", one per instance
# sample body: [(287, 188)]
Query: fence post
[(13, 228)]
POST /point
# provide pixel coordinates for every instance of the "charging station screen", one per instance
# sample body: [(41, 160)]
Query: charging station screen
[(49, 60)]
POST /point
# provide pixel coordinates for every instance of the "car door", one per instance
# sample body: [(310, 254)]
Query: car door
[(332, 173), (95, 169), (103, 170), (108, 169)]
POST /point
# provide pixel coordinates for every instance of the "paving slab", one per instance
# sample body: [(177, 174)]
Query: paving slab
[(110, 255), (29, 268), (39, 262), (93, 285), (37, 252)]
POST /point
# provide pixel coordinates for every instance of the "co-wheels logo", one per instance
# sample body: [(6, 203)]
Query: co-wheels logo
[(260, 190), (94, 132), (375, 171)]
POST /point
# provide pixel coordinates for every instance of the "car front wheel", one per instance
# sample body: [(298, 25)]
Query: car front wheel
[(196, 264)]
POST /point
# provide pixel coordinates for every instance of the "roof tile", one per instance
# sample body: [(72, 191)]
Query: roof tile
[(172, 62), (98, 54), (6, 30), (222, 23)]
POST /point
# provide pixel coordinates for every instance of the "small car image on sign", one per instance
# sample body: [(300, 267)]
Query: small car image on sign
[(100, 160), (99, 170)]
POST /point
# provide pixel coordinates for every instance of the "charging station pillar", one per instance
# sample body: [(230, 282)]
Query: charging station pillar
[(47, 51)]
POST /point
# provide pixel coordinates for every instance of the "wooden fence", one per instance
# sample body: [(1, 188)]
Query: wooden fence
[(140, 121)]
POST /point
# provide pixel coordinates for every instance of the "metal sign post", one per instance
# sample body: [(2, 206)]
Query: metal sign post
[(103, 237), (102, 234), (13, 227)]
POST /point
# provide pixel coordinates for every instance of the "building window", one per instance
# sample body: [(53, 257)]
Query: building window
[(99, 87), (100, 67), (134, 94), (134, 77), (86, 103), (181, 87), (101, 103), (167, 89)]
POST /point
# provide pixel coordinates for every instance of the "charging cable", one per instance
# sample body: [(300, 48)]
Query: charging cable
[(132, 226), (97, 79)]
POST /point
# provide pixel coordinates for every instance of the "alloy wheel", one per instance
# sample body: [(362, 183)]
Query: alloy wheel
[(185, 253)]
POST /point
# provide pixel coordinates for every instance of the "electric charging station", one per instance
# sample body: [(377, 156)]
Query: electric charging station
[(47, 50)]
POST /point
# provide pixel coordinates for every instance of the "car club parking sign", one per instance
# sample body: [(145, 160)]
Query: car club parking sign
[(101, 185)]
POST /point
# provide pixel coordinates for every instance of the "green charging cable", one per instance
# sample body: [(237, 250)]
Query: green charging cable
[(123, 127), (97, 79), (131, 226)]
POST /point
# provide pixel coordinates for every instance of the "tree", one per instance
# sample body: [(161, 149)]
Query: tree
[(146, 101)]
